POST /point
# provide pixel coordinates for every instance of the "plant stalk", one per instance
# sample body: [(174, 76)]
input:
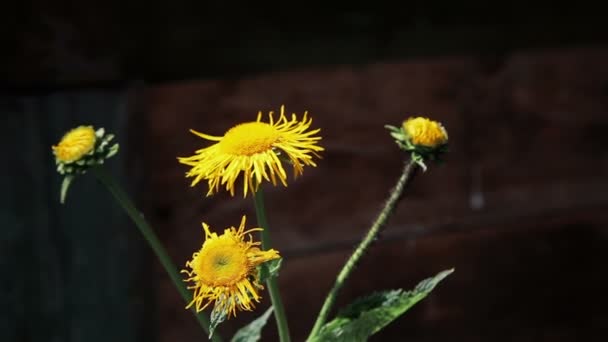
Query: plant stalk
[(127, 205), (271, 282), (406, 175)]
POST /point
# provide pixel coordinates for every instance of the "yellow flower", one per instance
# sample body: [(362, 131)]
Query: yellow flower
[(423, 138), (224, 270), (257, 150), (425, 132), (75, 144), (81, 148)]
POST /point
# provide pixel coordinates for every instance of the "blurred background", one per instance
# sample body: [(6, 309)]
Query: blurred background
[(519, 208)]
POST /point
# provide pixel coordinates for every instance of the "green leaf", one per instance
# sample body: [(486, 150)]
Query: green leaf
[(252, 331), (270, 269), (368, 315)]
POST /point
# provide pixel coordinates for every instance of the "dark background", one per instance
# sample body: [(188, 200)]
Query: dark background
[(519, 207)]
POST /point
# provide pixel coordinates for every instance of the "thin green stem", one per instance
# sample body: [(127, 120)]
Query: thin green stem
[(370, 236), (271, 282), (125, 202)]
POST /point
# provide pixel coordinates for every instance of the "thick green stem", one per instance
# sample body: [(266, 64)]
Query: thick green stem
[(370, 236), (125, 202), (271, 282)]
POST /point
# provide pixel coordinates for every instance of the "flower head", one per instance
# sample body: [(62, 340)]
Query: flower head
[(75, 144), (425, 132), (256, 150), (224, 270), (80, 149), (422, 137)]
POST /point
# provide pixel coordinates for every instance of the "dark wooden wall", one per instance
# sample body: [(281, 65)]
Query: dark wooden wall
[(79, 43), (519, 208), (66, 271)]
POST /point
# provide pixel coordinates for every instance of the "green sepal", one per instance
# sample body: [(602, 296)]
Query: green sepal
[(99, 133), (368, 315), (97, 156), (112, 151), (418, 153), (65, 184), (393, 129), (252, 332), (269, 269)]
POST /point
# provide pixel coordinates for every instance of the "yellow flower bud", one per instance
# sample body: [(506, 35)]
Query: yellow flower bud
[(425, 132), (75, 144)]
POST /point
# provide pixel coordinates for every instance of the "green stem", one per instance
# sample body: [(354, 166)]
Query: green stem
[(271, 282), (396, 193), (123, 199)]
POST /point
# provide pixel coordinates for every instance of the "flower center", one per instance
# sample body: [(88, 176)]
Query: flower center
[(222, 262), (249, 138), (75, 144)]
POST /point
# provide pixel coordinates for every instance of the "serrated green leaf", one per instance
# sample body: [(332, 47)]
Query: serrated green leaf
[(270, 269), (368, 315), (252, 332)]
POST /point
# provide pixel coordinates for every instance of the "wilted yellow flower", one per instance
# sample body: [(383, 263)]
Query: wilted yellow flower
[(75, 144), (257, 150), (224, 270), (425, 132)]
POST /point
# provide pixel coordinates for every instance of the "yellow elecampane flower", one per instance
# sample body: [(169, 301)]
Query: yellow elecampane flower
[(75, 144), (256, 150), (425, 132), (80, 149), (224, 271)]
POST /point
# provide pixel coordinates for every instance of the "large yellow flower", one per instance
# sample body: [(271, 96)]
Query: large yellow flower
[(224, 270), (257, 150)]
